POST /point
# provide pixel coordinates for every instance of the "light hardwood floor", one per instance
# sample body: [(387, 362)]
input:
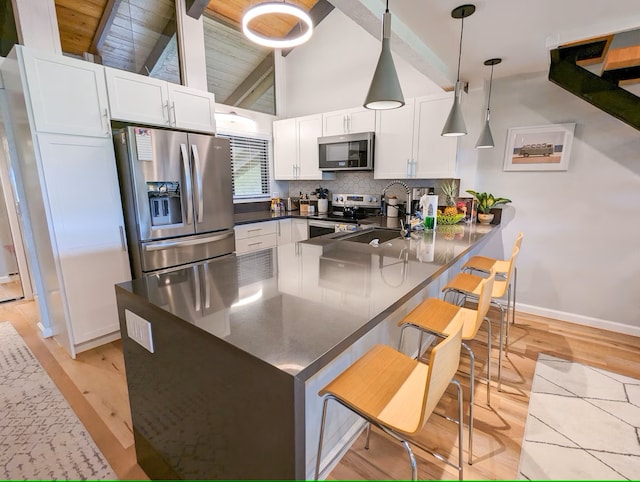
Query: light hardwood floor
[(95, 386)]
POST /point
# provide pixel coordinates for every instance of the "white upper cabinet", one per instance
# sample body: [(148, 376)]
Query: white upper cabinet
[(285, 149), (68, 96), (138, 98), (192, 109), (434, 155), (408, 140), (348, 121), (394, 142), (295, 150)]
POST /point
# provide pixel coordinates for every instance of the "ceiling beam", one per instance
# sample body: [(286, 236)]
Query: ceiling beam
[(251, 82), (195, 8), (317, 13), (108, 16), (405, 43), (158, 49)]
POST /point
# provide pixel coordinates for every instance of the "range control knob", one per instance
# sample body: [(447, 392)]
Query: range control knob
[(339, 198)]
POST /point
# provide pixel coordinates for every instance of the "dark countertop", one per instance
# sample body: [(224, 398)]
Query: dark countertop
[(298, 306)]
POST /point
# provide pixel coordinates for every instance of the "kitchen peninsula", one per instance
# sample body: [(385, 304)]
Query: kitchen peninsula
[(239, 346)]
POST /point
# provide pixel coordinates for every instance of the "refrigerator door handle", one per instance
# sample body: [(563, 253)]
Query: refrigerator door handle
[(189, 242), (207, 292), (196, 281), (187, 181), (200, 199)]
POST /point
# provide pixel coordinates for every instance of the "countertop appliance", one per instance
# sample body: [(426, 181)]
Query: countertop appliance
[(348, 152), (177, 197)]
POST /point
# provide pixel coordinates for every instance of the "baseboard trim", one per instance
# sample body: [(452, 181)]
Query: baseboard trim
[(580, 319)]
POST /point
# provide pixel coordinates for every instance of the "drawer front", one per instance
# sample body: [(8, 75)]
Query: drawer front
[(254, 243), (256, 229)]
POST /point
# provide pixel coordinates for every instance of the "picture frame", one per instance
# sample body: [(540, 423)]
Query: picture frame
[(539, 148)]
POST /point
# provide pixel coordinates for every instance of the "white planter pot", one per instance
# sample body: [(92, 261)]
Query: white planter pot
[(485, 218), (323, 206)]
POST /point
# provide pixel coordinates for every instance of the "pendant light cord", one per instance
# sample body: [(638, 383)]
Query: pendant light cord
[(387, 10), (460, 49), (490, 84)]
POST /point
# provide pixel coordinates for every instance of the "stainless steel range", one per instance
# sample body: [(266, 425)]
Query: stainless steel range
[(346, 209)]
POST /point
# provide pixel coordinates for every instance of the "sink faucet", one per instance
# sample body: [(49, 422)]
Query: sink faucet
[(407, 211)]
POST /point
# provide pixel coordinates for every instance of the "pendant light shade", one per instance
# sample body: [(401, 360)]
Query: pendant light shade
[(485, 141), (270, 8), (455, 122), (384, 91)]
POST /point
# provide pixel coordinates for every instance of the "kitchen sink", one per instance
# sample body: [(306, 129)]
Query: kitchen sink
[(383, 235)]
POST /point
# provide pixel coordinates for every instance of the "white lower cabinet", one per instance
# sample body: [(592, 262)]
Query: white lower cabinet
[(254, 236), (284, 231), (87, 225), (299, 230)]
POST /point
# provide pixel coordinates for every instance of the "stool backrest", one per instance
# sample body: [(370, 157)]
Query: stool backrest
[(443, 365), (484, 298), (518, 240), (512, 264)]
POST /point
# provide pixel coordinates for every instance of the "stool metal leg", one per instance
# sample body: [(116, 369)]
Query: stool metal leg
[(324, 416), (488, 361), (460, 436), (412, 459), (515, 282), (471, 399), (366, 442)]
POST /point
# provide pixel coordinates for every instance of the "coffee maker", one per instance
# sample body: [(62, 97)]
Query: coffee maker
[(416, 194)]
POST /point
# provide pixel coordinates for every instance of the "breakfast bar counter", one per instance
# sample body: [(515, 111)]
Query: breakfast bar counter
[(238, 347)]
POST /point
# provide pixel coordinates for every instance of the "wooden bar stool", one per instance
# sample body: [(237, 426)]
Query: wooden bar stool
[(501, 267), (433, 316), (397, 394), (469, 285)]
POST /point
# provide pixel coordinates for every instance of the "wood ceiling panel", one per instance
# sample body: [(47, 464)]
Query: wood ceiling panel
[(77, 22), (277, 26)]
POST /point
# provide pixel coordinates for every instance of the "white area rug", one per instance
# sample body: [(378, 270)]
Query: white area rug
[(40, 435), (583, 423)]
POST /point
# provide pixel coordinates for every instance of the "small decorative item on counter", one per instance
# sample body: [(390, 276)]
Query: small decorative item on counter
[(323, 203), (275, 201), (485, 202)]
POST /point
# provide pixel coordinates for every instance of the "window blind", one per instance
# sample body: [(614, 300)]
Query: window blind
[(250, 166)]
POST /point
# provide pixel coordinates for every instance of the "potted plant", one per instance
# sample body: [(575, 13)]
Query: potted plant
[(486, 201), (323, 203)]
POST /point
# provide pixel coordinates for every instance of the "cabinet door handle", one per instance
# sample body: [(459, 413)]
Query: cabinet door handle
[(173, 108), (107, 126), (408, 170), (344, 123), (168, 109), (413, 168)]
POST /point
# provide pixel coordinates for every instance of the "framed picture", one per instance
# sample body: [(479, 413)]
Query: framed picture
[(539, 148)]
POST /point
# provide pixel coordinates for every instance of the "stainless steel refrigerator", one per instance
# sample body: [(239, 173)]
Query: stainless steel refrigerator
[(177, 197)]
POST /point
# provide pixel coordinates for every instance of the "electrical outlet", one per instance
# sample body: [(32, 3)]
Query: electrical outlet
[(139, 330)]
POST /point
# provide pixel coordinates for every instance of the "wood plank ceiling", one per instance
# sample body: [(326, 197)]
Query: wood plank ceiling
[(79, 20)]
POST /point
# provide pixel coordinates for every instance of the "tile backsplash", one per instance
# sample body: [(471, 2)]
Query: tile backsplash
[(364, 183)]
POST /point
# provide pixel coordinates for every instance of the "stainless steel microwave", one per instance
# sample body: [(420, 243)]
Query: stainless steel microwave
[(348, 152)]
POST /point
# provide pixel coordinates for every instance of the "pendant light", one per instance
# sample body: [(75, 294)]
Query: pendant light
[(384, 91), (270, 8), (485, 141), (455, 122)]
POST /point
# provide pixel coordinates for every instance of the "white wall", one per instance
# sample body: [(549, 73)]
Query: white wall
[(580, 259), (333, 70)]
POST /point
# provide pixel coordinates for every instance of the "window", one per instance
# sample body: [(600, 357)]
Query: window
[(250, 166)]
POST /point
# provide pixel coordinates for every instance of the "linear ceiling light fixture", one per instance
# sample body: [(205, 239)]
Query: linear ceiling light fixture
[(485, 141), (270, 8), (455, 122), (384, 91)]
